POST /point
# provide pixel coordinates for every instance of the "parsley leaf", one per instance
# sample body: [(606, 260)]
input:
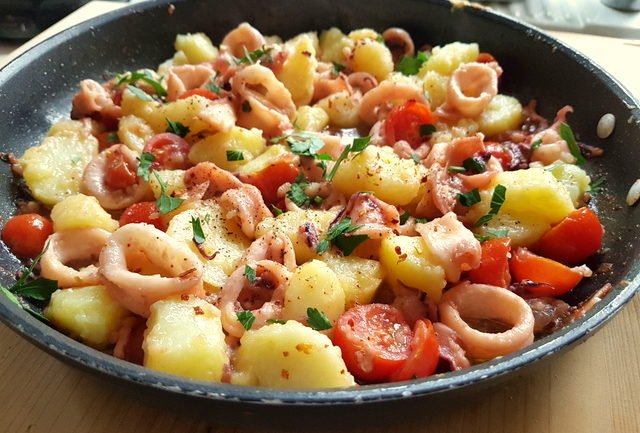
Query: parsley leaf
[(276, 209), (246, 319), (246, 106), (469, 198), (337, 236), (198, 234), (140, 94), (456, 169), (492, 234), (250, 273), (302, 143), (427, 129), (296, 192), (421, 220), (411, 65), (497, 199), (75, 160), (279, 321), (358, 145), (337, 68), (235, 155), (165, 203), (317, 320), (474, 165), (213, 87), (535, 145), (112, 137), (567, 135), (145, 162), (415, 158), (177, 128), (145, 76), (596, 186), (255, 56), (404, 217)]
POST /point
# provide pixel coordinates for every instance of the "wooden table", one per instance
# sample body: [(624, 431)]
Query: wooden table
[(594, 388)]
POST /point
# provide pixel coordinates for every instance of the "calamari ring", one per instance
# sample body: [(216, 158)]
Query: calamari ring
[(481, 301), (149, 250)]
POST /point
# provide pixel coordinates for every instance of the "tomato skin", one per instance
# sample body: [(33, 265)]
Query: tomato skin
[(26, 234), (485, 58), (271, 178), (375, 341), (501, 153), (119, 174), (425, 353), (574, 239), (171, 152), (205, 93), (494, 264), (559, 278), (143, 212), (404, 121)]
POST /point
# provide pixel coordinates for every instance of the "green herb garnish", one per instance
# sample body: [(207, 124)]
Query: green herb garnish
[(497, 199), (198, 233), (411, 65), (415, 158), (277, 210), (235, 155), (317, 320), (567, 135), (112, 137), (596, 186), (165, 203), (404, 217), (250, 274), (421, 220), (246, 107), (246, 319), (145, 161), (338, 236), (139, 93), (296, 192), (492, 234), (469, 198), (359, 144), (474, 165), (456, 169), (535, 145), (302, 143), (337, 68), (176, 128), (255, 56), (145, 76), (427, 129), (279, 321)]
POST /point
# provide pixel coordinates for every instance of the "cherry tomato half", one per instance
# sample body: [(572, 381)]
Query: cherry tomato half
[(556, 279), (119, 174), (404, 122), (205, 93), (494, 264), (271, 178), (143, 212), (574, 239), (171, 151), (425, 353), (26, 234), (375, 341)]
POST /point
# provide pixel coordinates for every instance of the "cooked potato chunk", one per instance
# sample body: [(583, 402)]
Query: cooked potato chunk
[(342, 109), (523, 228), (311, 118), (214, 147), (408, 259), (313, 285), (359, 278), (53, 170), (436, 87), (446, 59), (502, 114), (332, 44), (89, 314), (174, 179), (197, 47), (380, 170), (185, 337), (373, 57), (290, 224), (134, 132), (79, 212), (223, 238), (298, 70), (290, 356), (574, 179), (263, 160)]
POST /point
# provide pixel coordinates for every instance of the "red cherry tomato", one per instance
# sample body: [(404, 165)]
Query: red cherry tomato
[(143, 212), (205, 93), (425, 353), (26, 234), (171, 151), (485, 58), (271, 178), (574, 239), (404, 121), (494, 264), (500, 152), (119, 174), (555, 278), (375, 341)]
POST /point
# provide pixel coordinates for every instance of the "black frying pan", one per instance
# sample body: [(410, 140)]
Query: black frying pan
[(36, 89)]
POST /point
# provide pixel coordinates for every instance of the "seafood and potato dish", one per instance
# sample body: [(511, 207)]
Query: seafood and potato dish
[(331, 210)]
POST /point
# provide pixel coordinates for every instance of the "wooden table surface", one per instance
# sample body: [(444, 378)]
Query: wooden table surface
[(595, 388)]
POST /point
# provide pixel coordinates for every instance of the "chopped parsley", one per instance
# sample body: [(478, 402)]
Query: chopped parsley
[(302, 143), (535, 145), (469, 198), (415, 158), (421, 220), (246, 107), (411, 65), (145, 76), (164, 202), (277, 210), (279, 321), (474, 165), (246, 319), (176, 128), (427, 129), (317, 320), (75, 160), (198, 233), (492, 234), (497, 199), (456, 169), (337, 68), (250, 274), (145, 161), (112, 137), (235, 155), (39, 289), (596, 186), (140, 94), (404, 217), (296, 192), (338, 236), (567, 135), (261, 54), (359, 144)]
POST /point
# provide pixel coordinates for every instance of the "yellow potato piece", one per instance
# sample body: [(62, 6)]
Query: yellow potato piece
[(502, 114), (298, 71), (359, 277), (197, 47), (214, 147), (79, 212)]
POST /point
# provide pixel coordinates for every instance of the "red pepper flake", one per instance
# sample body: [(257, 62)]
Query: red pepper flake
[(285, 353), (198, 310), (285, 374), (398, 250), (184, 297)]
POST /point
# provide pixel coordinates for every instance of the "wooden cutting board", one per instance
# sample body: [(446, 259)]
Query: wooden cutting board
[(595, 388)]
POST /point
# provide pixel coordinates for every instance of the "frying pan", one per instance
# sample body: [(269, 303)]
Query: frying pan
[(36, 89)]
